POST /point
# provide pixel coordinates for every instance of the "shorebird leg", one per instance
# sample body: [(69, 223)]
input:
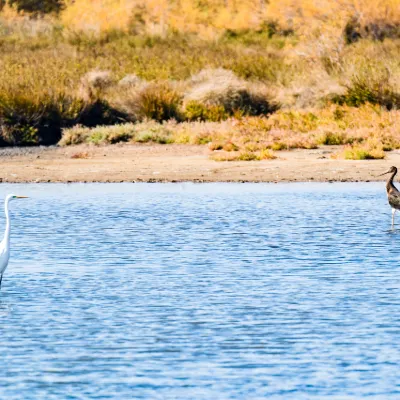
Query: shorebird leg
[(393, 212)]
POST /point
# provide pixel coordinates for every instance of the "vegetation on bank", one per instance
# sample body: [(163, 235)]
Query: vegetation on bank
[(366, 131), (246, 79)]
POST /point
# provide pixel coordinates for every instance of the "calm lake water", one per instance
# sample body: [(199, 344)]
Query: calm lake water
[(201, 291)]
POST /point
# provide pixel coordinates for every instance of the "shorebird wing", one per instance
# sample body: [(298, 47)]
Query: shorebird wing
[(394, 199)]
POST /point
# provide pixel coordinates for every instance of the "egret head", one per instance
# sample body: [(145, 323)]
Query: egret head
[(390, 171), (14, 196)]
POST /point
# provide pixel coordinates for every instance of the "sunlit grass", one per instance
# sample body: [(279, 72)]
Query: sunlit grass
[(240, 73), (256, 138)]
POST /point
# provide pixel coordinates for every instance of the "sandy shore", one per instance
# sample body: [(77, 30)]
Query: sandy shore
[(174, 163)]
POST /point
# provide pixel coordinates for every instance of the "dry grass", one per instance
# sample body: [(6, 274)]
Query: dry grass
[(118, 61), (367, 151), (210, 17), (80, 155), (367, 131), (220, 89)]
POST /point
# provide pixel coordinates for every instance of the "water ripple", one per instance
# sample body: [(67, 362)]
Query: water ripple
[(218, 291)]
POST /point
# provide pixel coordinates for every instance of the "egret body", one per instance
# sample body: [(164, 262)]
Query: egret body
[(5, 243)]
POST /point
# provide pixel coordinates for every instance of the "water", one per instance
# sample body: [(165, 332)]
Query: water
[(185, 291)]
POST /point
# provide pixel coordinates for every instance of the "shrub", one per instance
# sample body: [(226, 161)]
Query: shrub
[(213, 89), (368, 151), (195, 111), (215, 146), (157, 101), (333, 139), (130, 81), (260, 35), (243, 156), (95, 83), (80, 155), (371, 85), (37, 118), (98, 135), (229, 146), (38, 6), (144, 132), (379, 29), (266, 155), (28, 119)]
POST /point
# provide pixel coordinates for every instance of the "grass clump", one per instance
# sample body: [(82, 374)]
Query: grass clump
[(215, 94), (144, 132), (370, 85), (243, 156), (333, 138), (367, 151), (196, 111), (334, 126), (156, 101), (27, 119)]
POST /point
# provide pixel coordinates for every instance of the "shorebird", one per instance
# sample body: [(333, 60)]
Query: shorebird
[(392, 193)]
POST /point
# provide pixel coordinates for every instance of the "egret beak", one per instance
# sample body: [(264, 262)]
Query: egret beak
[(387, 172), (22, 197)]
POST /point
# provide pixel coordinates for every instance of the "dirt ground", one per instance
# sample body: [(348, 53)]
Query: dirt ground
[(175, 163)]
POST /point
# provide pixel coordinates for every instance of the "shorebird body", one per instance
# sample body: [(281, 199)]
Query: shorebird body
[(392, 193)]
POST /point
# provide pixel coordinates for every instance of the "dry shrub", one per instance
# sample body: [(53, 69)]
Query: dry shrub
[(80, 155), (95, 83), (371, 85), (371, 150), (130, 81), (309, 90), (148, 131), (28, 118), (243, 156), (230, 146), (266, 154), (159, 101), (213, 146), (369, 130), (228, 156), (215, 90)]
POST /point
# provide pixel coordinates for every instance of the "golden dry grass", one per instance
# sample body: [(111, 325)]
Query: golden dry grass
[(367, 131), (116, 61), (209, 17)]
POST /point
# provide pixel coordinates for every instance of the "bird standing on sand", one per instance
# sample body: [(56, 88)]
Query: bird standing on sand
[(5, 243), (392, 193)]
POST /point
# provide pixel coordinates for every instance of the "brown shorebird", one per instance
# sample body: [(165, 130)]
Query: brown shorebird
[(392, 193)]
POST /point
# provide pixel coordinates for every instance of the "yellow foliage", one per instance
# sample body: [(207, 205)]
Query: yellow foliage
[(211, 16), (98, 15), (206, 17)]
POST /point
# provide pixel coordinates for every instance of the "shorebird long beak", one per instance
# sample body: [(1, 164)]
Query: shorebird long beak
[(22, 197), (387, 172)]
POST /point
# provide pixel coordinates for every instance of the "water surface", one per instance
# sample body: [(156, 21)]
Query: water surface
[(201, 291)]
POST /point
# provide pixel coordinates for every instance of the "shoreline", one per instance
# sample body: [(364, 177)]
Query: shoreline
[(156, 163)]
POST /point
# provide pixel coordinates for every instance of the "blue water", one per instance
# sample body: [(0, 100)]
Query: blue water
[(195, 291)]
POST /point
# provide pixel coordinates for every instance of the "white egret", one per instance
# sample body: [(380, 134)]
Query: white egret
[(5, 243)]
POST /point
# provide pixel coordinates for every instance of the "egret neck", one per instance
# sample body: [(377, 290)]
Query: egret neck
[(8, 223)]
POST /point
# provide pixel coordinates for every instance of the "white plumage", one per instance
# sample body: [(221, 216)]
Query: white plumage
[(5, 243)]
